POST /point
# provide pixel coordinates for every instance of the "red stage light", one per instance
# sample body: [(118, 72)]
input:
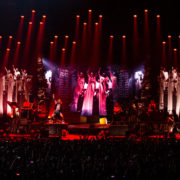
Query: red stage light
[(41, 23), (111, 36), (123, 36), (44, 16), (163, 42), (74, 42), (0, 37), (22, 17), (135, 16), (179, 36), (85, 24), (18, 42), (90, 11), (10, 37), (175, 49), (96, 24), (63, 49), (51, 42), (30, 23), (33, 11), (158, 16), (100, 16), (8, 49), (146, 11), (169, 36), (77, 16), (66, 37), (55, 36)]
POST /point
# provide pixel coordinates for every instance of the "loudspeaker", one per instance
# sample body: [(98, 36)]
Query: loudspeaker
[(118, 130)]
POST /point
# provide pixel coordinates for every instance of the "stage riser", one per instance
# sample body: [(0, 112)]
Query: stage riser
[(86, 131), (118, 130)]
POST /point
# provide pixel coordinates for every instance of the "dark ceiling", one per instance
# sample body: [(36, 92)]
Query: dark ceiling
[(117, 16)]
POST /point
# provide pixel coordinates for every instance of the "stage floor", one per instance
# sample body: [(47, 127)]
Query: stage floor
[(72, 137)]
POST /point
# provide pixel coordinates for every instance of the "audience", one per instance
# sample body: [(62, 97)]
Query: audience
[(89, 159)]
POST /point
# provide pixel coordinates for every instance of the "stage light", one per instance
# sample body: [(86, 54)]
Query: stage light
[(111, 36), (66, 37), (44, 16), (77, 16), (49, 65), (48, 75), (96, 24), (163, 42), (0, 37), (22, 17), (179, 36), (30, 23), (100, 16), (10, 37), (146, 11), (90, 11), (169, 36), (138, 75), (123, 36), (51, 42), (175, 49), (41, 23), (63, 49), (158, 16), (74, 42), (8, 49), (33, 11), (135, 16), (18, 42), (85, 24)]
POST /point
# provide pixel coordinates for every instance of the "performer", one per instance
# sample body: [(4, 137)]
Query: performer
[(88, 97), (58, 110), (113, 86), (10, 85), (24, 74), (78, 91), (18, 81), (117, 111), (174, 78), (152, 106), (17, 73), (102, 94), (170, 93), (35, 107), (2, 88)]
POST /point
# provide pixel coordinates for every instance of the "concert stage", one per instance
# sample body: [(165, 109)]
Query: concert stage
[(69, 131)]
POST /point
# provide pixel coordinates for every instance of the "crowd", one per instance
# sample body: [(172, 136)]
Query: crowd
[(89, 159)]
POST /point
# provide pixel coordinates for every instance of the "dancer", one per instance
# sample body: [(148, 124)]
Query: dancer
[(58, 111), (78, 91), (88, 97)]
